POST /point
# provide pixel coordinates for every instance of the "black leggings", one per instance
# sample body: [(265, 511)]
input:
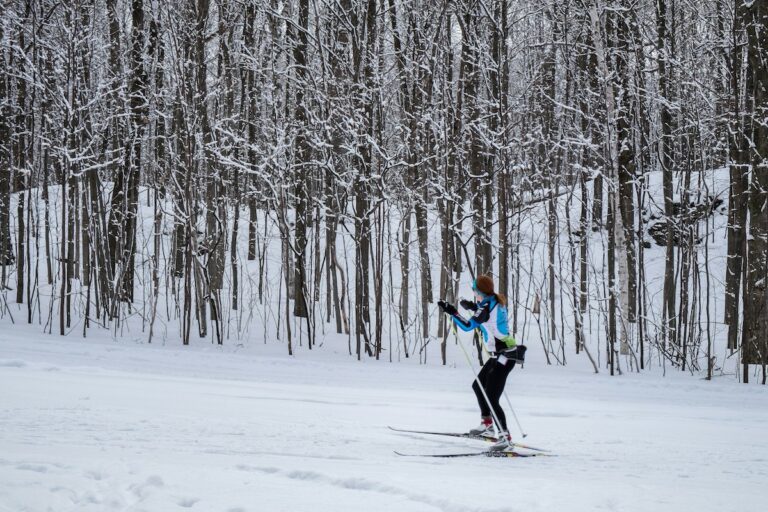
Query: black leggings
[(493, 376)]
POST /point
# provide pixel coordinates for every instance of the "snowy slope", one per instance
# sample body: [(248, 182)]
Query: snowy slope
[(99, 426)]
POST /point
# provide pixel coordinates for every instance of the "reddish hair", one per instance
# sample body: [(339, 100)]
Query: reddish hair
[(484, 284)]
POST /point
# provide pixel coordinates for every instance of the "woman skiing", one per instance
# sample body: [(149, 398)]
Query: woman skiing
[(490, 317)]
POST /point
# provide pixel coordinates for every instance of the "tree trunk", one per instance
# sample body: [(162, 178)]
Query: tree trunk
[(666, 159), (6, 245), (755, 346), (301, 162), (738, 156)]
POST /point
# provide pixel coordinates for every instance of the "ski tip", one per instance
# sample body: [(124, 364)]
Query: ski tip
[(532, 448)]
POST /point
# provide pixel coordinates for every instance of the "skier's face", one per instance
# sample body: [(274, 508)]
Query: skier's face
[(478, 295)]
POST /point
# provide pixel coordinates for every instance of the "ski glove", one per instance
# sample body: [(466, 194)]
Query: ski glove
[(447, 308), (468, 304)]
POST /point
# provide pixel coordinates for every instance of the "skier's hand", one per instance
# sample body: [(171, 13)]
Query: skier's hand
[(447, 308), (468, 304)]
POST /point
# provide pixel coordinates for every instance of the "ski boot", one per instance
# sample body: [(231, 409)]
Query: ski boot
[(485, 428), (504, 443)]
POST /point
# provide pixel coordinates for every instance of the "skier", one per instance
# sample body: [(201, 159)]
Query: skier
[(490, 317)]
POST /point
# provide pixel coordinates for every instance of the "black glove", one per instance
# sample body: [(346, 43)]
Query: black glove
[(468, 304), (447, 308)]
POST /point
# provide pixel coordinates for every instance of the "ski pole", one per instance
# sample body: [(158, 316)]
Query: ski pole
[(514, 415), (479, 384)]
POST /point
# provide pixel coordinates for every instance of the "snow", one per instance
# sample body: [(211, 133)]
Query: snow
[(96, 425)]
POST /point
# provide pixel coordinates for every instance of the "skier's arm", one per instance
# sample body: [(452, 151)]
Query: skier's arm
[(482, 315), (464, 325)]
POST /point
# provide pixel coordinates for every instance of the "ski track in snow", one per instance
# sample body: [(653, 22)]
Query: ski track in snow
[(362, 484)]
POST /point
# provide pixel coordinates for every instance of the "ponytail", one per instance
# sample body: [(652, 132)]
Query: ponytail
[(501, 299)]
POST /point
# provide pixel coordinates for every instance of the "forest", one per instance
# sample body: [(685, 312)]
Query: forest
[(311, 172)]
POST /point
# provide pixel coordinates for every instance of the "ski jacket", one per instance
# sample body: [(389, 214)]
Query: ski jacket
[(491, 319)]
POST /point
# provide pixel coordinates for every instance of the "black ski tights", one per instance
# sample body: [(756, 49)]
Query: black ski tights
[(493, 376)]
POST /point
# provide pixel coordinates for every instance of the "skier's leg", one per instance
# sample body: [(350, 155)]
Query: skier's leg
[(485, 411), (497, 379)]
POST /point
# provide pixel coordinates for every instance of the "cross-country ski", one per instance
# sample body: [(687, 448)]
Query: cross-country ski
[(477, 437), (487, 453)]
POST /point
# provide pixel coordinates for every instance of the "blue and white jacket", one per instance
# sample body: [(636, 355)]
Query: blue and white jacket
[(491, 319)]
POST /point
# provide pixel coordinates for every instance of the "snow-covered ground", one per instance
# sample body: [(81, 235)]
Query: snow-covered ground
[(97, 425)]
